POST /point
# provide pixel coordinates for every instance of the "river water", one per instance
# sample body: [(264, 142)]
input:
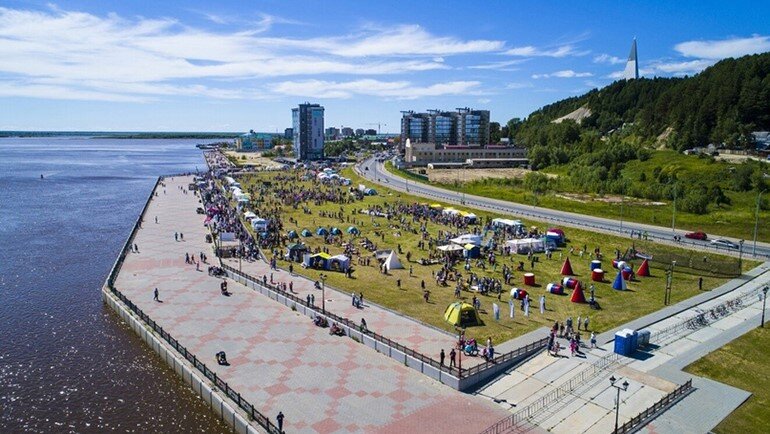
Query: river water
[(67, 362)]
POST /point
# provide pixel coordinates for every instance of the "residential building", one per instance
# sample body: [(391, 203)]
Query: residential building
[(370, 132), (359, 131), (252, 141), (288, 133), (347, 132), (308, 129), (464, 127), (332, 133)]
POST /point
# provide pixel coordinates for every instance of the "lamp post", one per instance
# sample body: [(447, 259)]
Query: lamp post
[(620, 387), (756, 222), (740, 255), (764, 303), (622, 199), (673, 213), (323, 292)]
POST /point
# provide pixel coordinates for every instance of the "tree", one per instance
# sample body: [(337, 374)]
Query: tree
[(494, 132), (513, 127)]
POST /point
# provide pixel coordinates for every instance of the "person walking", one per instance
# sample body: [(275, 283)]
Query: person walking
[(579, 322), (542, 304), (593, 340), (441, 357), (176, 236), (585, 324), (452, 355), (279, 418), (156, 295)]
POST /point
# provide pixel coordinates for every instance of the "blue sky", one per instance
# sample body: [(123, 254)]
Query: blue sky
[(239, 65)]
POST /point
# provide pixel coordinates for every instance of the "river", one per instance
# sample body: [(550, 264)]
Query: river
[(67, 362)]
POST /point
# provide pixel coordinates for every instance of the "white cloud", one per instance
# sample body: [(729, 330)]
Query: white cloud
[(668, 68), (518, 85), (484, 100), (567, 73), (502, 66), (530, 51), (720, 49), (606, 58), (370, 87), (84, 56)]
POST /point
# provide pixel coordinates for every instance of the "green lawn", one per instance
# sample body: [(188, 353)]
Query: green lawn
[(735, 220), (644, 296), (744, 364)]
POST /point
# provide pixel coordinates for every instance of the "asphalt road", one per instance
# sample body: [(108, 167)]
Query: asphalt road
[(375, 172)]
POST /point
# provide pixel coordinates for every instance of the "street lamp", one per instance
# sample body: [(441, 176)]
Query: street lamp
[(764, 303), (622, 387), (756, 222), (740, 255), (323, 292), (673, 213)]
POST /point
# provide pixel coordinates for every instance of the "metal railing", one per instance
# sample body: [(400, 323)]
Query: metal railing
[(454, 371), (250, 410), (471, 201), (521, 416), (644, 417)]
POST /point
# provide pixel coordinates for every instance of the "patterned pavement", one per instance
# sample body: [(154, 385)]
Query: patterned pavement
[(279, 360)]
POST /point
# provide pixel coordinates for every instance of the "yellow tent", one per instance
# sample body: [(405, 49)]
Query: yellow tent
[(436, 206), (461, 314)]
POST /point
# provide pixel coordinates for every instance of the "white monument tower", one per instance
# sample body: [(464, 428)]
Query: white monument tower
[(632, 66)]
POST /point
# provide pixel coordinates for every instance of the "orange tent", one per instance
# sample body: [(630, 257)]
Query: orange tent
[(644, 269), (577, 295), (566, 269)]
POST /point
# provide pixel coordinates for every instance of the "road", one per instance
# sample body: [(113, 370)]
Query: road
[(375, 171)]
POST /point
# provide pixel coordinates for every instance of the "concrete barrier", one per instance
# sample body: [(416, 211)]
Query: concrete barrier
[(215, 398)]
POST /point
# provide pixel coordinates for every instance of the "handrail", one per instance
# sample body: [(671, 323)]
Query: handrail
[(649, 413), (253, 413)]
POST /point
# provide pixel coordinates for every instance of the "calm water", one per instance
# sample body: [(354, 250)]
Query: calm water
[(67, 363)]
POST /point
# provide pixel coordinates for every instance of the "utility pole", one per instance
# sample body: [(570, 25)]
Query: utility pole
[(673, 215), (756, 223)]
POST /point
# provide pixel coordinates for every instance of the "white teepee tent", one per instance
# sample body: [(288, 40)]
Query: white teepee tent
[(392, 262)]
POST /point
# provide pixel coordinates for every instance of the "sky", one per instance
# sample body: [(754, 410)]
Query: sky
[(239, 65)]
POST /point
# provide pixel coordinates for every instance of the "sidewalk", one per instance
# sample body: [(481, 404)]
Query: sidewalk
[(279, 361)]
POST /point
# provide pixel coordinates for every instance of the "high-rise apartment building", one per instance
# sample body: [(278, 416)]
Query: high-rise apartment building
[(308, 129), (464, 127)]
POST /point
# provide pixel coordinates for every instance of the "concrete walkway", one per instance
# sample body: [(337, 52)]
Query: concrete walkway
[(279, 360), (590, 406)]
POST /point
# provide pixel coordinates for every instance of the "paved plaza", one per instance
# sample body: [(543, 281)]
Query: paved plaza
[(651, 375), (279, 360)]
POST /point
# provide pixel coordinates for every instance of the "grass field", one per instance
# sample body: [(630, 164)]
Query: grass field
[(744, 364), (644, 296), (735, 220)]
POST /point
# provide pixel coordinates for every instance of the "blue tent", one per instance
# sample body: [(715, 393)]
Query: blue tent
[(336, 231), (292, 234), (619, 283), (263, 234), (471, 251), (322, 231), (353, 230), (306, 233)]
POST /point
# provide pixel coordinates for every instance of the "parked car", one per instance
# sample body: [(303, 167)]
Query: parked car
[(697, 235), (724, 243)]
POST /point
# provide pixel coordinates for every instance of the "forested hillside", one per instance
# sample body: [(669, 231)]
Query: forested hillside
[(722, 104)]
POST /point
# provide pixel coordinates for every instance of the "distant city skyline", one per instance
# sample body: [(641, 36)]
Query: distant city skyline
[(236, 66)]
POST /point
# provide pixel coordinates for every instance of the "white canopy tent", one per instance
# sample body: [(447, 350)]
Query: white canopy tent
[(467, 239), (526, 245), (450, 248)]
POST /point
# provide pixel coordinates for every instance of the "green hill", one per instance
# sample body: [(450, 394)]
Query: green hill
[(722, 104)]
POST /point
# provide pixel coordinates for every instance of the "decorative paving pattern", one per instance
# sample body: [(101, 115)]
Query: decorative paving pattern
[(279, 360)]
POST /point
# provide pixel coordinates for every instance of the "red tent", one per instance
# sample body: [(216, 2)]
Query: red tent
[(577, 295), (644, 269), (566, 269)]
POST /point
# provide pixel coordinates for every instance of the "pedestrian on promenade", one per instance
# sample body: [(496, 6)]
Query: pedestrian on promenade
[(441, 357), (279, 418), (291, 287), (308, 299), (181, 236), (176, 236), (136, 248), (312, 299), (291, 268), (156, 220), (364, 328), (157, 295), (452, 355), (593, 340)]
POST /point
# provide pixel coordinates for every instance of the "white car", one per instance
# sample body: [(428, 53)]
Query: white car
[(725, 243)]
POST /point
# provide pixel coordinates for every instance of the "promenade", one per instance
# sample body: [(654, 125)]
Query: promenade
[(279, 361)]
